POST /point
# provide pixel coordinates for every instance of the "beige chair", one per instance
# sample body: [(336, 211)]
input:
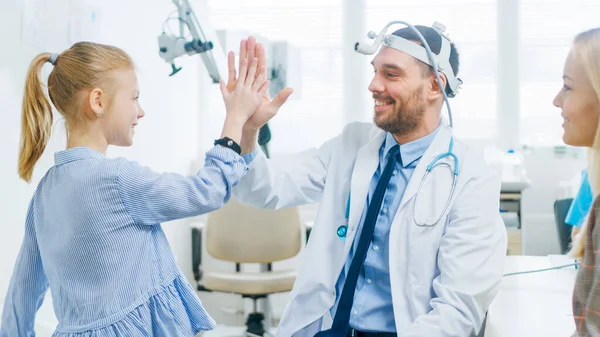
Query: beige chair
[(241, 233)]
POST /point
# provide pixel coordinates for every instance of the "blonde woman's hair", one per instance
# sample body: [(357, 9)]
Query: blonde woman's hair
[(586, 50), (84, 66)]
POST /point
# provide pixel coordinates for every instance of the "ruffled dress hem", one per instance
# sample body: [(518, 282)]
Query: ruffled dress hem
[(172, 310)]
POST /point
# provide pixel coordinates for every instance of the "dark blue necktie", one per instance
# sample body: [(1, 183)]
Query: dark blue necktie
[(342, 315)]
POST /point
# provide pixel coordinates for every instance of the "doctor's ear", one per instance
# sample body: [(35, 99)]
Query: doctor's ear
[(434, 88)]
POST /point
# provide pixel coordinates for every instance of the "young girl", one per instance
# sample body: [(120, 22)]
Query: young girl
[(579, 102), (92, 231)]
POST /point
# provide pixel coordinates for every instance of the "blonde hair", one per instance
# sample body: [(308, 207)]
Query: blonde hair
[(84, 66), (586, 50)]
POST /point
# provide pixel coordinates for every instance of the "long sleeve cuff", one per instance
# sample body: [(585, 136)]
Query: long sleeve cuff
[(249, 157)]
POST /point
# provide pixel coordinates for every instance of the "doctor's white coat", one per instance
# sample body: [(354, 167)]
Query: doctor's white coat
[(443, 278)]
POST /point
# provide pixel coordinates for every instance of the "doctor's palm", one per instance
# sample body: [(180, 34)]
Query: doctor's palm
[(267, 108)]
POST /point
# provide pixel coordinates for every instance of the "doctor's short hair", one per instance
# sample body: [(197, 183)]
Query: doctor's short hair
[(434, 40)]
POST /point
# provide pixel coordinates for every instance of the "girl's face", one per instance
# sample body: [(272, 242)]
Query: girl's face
[(124, 111)]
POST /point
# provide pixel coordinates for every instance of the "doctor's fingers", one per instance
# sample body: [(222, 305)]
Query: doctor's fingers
[(250, 47), (264, 88), (259, 80), (250, 77), (243, 71), (262, 62), (280, 99), (260, 54)]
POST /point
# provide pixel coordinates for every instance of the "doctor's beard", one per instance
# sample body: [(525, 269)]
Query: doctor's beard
[(406, 114)]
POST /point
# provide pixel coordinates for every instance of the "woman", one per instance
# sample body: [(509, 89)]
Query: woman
[(579, 101)]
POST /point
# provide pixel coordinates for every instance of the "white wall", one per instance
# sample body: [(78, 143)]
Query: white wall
[(167, 138), (547, 169)]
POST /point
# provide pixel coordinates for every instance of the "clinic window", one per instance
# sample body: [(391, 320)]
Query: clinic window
[(314, 27), (547, 29)]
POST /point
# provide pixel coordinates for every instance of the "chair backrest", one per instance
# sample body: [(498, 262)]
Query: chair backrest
[(561, 208), (241, 233)]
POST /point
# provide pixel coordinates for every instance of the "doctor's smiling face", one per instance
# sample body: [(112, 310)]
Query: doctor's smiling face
[(406, 94), (398, 91)]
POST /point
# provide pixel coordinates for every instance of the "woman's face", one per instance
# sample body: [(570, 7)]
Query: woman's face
[(579, 105)]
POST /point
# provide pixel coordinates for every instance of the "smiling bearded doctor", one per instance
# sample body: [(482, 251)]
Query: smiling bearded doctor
[(390, 253)]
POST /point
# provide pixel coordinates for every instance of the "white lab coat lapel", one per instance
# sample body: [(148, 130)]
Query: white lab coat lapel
[(438, 146), (367, 161)]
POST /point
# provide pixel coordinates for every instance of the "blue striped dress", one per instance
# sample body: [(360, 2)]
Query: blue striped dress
[(93, 236)]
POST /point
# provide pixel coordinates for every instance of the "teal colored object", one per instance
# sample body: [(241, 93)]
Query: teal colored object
[(582, 203), (343, 229)]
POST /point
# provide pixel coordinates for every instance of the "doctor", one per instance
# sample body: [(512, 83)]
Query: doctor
[(377, 264)]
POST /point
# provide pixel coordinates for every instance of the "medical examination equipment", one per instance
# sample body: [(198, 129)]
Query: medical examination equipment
[(438, 63), (283, 69), (203, 42), (284, 66)]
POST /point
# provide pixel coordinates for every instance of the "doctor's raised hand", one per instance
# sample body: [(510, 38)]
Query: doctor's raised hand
[(267, 108)]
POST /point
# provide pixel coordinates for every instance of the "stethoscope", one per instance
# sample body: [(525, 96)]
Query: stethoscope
[(342, 230), (435, 163), (414, 50)]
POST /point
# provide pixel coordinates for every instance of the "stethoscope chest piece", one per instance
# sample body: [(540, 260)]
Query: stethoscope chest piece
[(341, 231)]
